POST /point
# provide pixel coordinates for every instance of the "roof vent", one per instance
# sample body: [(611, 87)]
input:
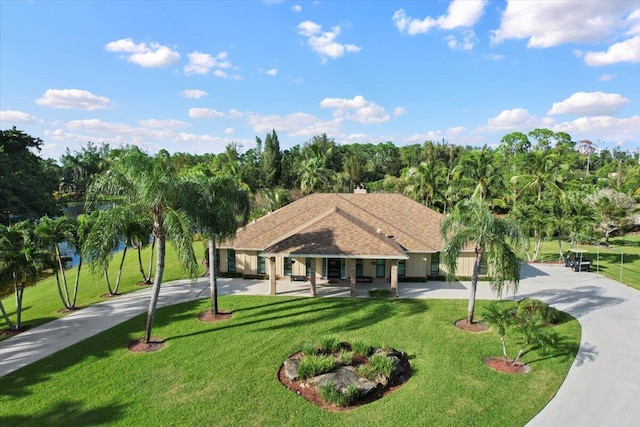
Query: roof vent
[(360, 189)]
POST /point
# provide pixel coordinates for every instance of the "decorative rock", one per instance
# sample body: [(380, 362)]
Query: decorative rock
[(343, 377), (291, 368)]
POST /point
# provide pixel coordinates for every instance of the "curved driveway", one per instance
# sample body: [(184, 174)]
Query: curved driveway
[(601, 389)]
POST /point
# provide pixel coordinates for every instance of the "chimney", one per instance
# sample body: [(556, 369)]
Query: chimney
[(360, 189)]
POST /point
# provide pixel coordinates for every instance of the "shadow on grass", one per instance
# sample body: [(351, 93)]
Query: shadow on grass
[(566, 350), (67, 413)]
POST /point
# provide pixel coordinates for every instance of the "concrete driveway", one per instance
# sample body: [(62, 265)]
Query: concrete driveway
[(601, 389)]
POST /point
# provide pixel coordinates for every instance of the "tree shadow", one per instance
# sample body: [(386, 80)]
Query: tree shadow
[(579, 301), (67, 413), (528, 271)]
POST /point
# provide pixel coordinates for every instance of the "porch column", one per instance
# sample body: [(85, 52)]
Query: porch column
[(352, 276), (313, 277), (272, 275), (394, 278)]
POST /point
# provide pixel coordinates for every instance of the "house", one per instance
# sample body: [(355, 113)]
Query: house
[(356, 237)]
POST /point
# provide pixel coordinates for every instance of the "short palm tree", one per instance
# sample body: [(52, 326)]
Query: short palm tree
[(472, 225)]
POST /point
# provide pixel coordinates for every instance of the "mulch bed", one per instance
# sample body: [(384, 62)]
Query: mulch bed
[(471, 327), (138, 346), (313, 396), (207, 316), (14, 332), (501, 365), (109, 295), (69, 310)]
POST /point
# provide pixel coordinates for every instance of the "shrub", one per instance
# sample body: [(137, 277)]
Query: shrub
[(368, 371), (382, 364), (331, 394), (379, 293), (346, 356), (329, 345), (361, 348), (313, 365), (530, 308), (309, 349)]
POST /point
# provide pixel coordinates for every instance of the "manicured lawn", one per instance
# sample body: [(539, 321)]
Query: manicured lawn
[(42, 302), (610, 265), (226, 373)]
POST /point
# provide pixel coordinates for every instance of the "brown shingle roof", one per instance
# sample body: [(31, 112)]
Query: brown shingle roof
[(347, 224)]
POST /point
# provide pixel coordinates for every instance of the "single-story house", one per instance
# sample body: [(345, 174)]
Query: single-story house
[(355, 237)]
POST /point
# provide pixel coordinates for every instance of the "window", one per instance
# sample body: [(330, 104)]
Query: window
[(288, 266), (307, 265), (231, 260), (359, 268), (380, 268), (324, 268), (435, 264), (343, 268), (484, 270), (402, 267), (261, 265)]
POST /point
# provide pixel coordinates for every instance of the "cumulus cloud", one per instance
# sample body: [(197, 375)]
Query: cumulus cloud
[(203, 63), (611, 129), (194, 93), (517, 118), (551, 23), (460, 14), (357, 109), (9, 118), (229, 131), (74, 99), (271, 72), (146, 55), (205, 113), (399, 111), (625, 51), (296, 8), (324, 42), (162, 124), (590, 104), (466, 41), (295, 124)]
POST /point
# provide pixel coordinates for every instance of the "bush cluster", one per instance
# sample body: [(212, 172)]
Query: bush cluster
[(331, 394), (313, 365), (529, 308)]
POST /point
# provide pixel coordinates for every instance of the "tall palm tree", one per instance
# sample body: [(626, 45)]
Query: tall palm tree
[(149, 184), (22, 258), (216, 202), (423, 183), (541, 170), (101, 243), (471, 223), (479, 174)]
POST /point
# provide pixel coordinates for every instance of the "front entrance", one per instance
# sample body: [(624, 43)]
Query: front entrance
[(333, 268)]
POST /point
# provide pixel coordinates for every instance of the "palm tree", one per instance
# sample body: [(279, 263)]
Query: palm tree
[(314, 173), (22, 258), (52, 232), (423, 183), (149, 184), (101, 242), (218, 202), (542, 170), (479, 172), (471, 223)]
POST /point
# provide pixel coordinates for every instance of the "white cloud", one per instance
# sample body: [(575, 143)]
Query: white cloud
[(194, 93), (295, 124), (605, 128), (296, 8), (625, 51), (203, 63), (493, 56), (551, 23), (151, 55), (466, 42), (460, 14), (590, 104), (74, 99), (606, 78), (399, 111), (508, 120), (9, 118), (162, 124), (357, 109), (272, 72), (325, 43), (229, 131), (424, 136), (205, 113)]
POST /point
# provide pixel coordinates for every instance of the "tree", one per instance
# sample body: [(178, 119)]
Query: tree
[(271, 160), (471, 223), (150, 185), (478, 172), (542, 170), (313, 173), (213, 203), (424, 182), (615, 210), (27, 183), (22, 258)]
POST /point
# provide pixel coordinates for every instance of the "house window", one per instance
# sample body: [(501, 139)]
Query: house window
[(380, 268), (261, 265), (435, 264), (307, 265), (288, 266), (231, 260), (402, 267), (324, 268), (343, 268), (359, 268)]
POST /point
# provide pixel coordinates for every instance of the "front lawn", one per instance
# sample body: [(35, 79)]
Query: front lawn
[(225, 373)]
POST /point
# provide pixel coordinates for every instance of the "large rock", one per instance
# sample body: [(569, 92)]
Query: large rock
[(291, 368), (343, 377)]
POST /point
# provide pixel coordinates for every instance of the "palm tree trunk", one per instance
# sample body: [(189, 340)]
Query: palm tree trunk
[(124, 253), (156, 288), (19, 290), (66, 301), (504, 348), (520, 353), (57, 274), (75, 287), (144, 275), (153, 245), (474, 286), (6, 317), (536, 251), (213, 276), (106, 278)]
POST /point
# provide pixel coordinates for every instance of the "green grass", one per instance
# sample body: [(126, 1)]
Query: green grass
[(609, 258), (42, 302), (225, 373)]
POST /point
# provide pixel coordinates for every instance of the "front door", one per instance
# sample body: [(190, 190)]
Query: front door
[(333, 268)]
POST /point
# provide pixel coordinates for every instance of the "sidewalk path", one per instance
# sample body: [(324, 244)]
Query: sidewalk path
[(602, 386)]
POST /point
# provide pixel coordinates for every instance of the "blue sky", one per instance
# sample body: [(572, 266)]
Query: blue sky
[(195, 76)]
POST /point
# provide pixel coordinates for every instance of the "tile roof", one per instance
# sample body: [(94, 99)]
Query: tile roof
[(367, 225)]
